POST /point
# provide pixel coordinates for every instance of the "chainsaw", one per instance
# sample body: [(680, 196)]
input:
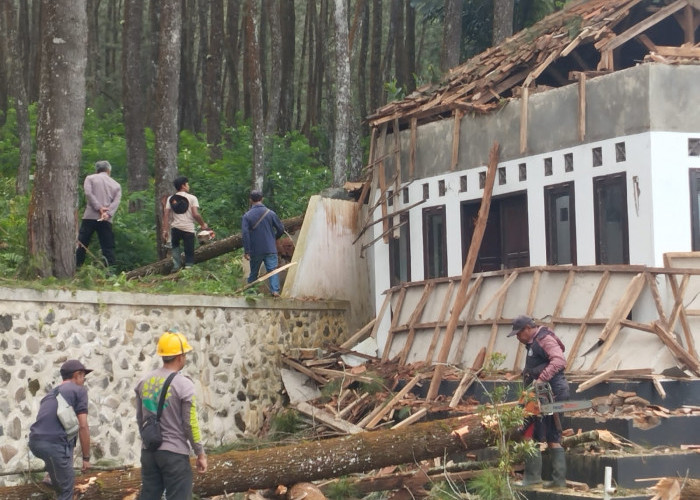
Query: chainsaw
[(540, 401)]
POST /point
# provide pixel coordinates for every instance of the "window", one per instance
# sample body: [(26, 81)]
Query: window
[(569, 162), (547, 166), (399, 250), (482, 180), (405, 195), (426, 191), (441, 188), (597, 157), (462, 183), (620, 152), (390, 198), (695, 207), (560, 224), (506, 240), (501, 175), (522, 172), (611, 225), (434, 242), (693, 147)]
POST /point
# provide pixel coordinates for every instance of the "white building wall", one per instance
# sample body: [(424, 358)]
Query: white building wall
[(656, 166)]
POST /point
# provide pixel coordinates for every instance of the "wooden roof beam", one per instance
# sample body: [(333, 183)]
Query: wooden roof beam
[(657, 17)]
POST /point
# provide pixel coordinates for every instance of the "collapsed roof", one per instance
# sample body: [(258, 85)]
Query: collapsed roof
[(587, 38)]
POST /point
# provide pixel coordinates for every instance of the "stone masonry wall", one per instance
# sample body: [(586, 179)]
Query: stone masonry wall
[(234, 364)]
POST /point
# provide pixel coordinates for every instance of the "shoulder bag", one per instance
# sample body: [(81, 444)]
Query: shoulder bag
[(150, 429)]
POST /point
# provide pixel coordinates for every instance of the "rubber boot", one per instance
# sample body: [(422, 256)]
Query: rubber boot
[(177, 258), (558, 456), (533, 470)]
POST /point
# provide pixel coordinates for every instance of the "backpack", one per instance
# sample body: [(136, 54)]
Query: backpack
[(179, 204), (66, 415)]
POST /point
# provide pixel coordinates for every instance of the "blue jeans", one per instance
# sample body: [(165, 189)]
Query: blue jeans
[(58, 458), (165, 471), (270, 260)]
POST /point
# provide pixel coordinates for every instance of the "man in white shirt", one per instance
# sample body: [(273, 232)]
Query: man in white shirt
[(181, 212)]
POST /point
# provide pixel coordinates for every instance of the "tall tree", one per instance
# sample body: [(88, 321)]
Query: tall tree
[(274, 88), (375, 58), (18, 91), (502, 20), (94, 64), (452, 35), (167, 94), (410, 47), (342, 95), (133, 91), (400, 61), (288, 28), (254, 85), (51, 221), (212, 98), (233, 41)]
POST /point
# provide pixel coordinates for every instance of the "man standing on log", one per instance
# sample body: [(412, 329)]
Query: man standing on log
[(168, 468), (545, 363), (51, 441), (260, 228)]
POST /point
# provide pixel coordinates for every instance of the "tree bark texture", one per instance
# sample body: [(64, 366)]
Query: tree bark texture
[(233, 41), (274, 87), (213, 62), (51, 221), (287, 14), (18, 90), (208, 251), (342, 95), (375, 58), (254, 84), (502, 20), (452, 35), (133, 92), (166, 117), (237, 471)]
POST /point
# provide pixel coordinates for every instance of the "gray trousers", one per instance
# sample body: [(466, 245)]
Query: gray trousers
[(58, 458), (165, 471)]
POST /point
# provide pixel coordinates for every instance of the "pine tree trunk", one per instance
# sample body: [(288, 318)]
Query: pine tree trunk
[(237, 471), (133, 92), (51, 221), (166, 117)]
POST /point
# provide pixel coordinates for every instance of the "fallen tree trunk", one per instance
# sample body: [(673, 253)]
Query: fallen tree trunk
[(208, 251), (677, 488), (237, 471)]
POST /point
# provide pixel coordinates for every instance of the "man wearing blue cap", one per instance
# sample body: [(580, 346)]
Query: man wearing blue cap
[(50, 441)]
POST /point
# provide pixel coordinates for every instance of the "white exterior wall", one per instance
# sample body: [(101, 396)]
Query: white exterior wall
[(658, 202)]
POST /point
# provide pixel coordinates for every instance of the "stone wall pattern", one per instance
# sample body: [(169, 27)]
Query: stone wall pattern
[(234, 364)]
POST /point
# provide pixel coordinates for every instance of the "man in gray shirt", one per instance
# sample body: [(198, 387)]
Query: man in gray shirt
[(102, 196)]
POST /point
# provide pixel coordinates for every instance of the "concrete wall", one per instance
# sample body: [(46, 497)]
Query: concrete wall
[(328, 264), (234, 365)]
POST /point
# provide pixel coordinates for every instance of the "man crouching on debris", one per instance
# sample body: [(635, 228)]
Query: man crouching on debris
[(170, 395), (545, 362)]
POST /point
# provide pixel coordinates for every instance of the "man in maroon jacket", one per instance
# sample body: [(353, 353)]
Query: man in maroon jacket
[(545, 363)]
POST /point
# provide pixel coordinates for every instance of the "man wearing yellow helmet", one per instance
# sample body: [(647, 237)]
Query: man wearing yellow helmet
[(168, 469)]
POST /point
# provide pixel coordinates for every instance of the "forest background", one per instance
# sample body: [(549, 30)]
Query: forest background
[(233, 94)]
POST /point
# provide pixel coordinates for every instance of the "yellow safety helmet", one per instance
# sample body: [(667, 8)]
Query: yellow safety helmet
[(172, 344)]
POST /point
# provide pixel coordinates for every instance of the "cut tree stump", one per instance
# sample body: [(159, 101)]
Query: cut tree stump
[(208, 251), (238, 471)]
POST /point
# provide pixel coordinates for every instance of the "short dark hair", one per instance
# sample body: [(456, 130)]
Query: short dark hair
[(256, 195), (179, 182)]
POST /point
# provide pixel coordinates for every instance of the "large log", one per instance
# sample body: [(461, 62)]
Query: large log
[(237, 471), (208, 251)]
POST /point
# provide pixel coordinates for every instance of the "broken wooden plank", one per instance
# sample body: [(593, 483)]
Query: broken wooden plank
[(468, 378), (327, 418), (394, 322), (359, 336), (601, 377), (523, 118), (389, 406), (306, 371), (460, 299), (677, 350), (415, 316), (441, 317), (595, 301)]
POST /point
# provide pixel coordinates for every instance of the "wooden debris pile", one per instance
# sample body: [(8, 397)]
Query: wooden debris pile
[(375, 394)]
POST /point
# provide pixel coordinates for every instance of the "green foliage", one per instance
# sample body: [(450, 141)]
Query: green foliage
[(375, 385), (284, 424), (331, 389), (341, 489), (393, 91)]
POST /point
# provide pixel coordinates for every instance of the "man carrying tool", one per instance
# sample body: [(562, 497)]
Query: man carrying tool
[(544, 364)]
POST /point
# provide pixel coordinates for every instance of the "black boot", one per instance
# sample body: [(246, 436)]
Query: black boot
[(558, 456), (533, 469)]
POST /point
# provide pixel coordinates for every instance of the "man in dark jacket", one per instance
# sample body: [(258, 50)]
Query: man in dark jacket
[(545, 363), (48, 439), (261, 227)]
